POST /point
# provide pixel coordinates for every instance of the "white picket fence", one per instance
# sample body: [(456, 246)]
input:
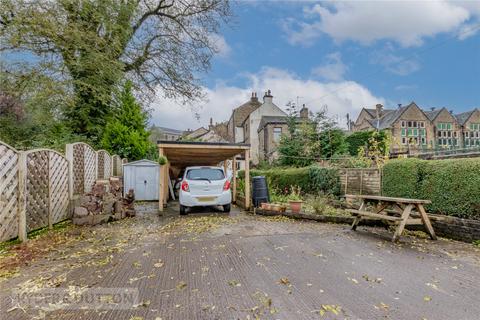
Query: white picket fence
[(37, 186)]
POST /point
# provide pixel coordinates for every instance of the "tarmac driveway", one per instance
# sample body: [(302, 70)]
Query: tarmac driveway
[(209, 265)]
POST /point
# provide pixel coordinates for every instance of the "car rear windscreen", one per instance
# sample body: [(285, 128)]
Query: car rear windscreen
[(205, 173)]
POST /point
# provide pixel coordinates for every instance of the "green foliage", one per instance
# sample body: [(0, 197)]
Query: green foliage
[(401, 178), (310, 180), (322, 205), (453, 185), (310, 140), (162, 160), (95, 45), (31, 108), (361, 139), (324, 180), (125, 133)]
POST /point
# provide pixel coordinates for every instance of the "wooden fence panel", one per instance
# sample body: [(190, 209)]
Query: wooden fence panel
[(117, 166), (104, 164), (78, 168), (59, 195), (8, 192), (37, 189), (360, 181)]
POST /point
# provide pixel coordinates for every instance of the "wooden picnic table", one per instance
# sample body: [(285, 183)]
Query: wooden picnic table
[(401, 216)]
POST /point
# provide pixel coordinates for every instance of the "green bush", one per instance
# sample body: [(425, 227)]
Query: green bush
[(401, 178), (324, 180), (311, 180), (453, 185)]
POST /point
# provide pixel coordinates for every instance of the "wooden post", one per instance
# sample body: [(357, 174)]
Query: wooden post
[(166, 173), (361, 181), (22, 196), (247, 179), (161, 183), (225, 166), (49, 192), (69, 156), (234, 179)]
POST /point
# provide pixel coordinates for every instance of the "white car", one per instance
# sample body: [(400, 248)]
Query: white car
[(204, 186)]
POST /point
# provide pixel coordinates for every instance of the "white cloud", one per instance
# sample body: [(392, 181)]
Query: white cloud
[(406, 22), (334, 69), (221, 45), (341, 98), (394, 63)]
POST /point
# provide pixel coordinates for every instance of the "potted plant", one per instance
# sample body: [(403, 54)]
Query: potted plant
[(162, 160), (295, 200)]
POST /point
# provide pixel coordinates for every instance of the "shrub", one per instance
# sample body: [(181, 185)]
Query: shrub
[(324, 180), (453, 185), (401, 178), (311, 180)]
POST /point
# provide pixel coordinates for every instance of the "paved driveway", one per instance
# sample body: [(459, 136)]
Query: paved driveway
[(238, 266)]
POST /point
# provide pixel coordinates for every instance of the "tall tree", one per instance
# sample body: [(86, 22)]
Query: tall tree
[(126, 133), (159, 44)]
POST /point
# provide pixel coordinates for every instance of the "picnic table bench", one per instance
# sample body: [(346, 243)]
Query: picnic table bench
[(400, 216)]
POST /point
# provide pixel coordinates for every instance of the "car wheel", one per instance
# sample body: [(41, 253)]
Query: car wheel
[(226, 208), (183, 210)]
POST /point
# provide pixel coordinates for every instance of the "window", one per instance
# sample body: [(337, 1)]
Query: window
[(277, 134), (409, 124), (404, 140), (415, 132), (424, 141), (403, 124), (205, 174), (404, 132), (414, 124), (422, 124)]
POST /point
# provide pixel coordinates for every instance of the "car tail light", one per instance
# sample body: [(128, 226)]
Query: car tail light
[(226, 186), (185, 186)]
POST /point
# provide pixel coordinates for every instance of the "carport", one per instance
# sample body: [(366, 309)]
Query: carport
[(183, 154)]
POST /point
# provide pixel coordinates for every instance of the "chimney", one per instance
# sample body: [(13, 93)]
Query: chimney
[(304, 113), (268, 97), (399, 105), (432, 108), (210, 126), (254, 97), (379, 109)]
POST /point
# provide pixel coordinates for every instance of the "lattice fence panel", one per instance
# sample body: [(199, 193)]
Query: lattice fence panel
[(90, 167), (8, 192), (78, 167), (107, 166), (37, 189), (58, 187), (100, 164)]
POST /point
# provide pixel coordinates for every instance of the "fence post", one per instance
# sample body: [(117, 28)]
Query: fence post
[(22, 196), (361, 180), (346, 181), (49, 193)]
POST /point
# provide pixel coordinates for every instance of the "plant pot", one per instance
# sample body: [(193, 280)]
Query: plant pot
[(268, 206), (283, 208), (295, 205), (264, 205), (275, 207)]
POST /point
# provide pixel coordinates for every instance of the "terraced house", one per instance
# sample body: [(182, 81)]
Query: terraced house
[(414, 128)]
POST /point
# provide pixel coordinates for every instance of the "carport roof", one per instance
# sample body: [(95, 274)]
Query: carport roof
[(188, 153)]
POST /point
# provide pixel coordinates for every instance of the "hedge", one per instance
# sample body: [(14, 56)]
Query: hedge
[(453, 185), (311, 180)]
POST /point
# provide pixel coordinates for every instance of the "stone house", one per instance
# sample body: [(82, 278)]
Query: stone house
[(235, 129), (446, 129), (409, 126), (470, 125), (252, 123), (414, 128)]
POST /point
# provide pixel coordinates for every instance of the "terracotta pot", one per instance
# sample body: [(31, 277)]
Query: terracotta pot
[(263, 205), (268, 206), (275, 207), (295, 205)]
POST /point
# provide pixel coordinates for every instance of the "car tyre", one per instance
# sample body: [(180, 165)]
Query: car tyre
[(226, 208), (183, 210)]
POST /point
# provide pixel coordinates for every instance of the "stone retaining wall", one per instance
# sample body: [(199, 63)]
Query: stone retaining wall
[(466, 230)]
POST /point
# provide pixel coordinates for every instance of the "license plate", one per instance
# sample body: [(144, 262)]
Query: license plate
[(205, 199)]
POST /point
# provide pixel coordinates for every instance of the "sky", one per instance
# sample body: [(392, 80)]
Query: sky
[(340, 55)]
